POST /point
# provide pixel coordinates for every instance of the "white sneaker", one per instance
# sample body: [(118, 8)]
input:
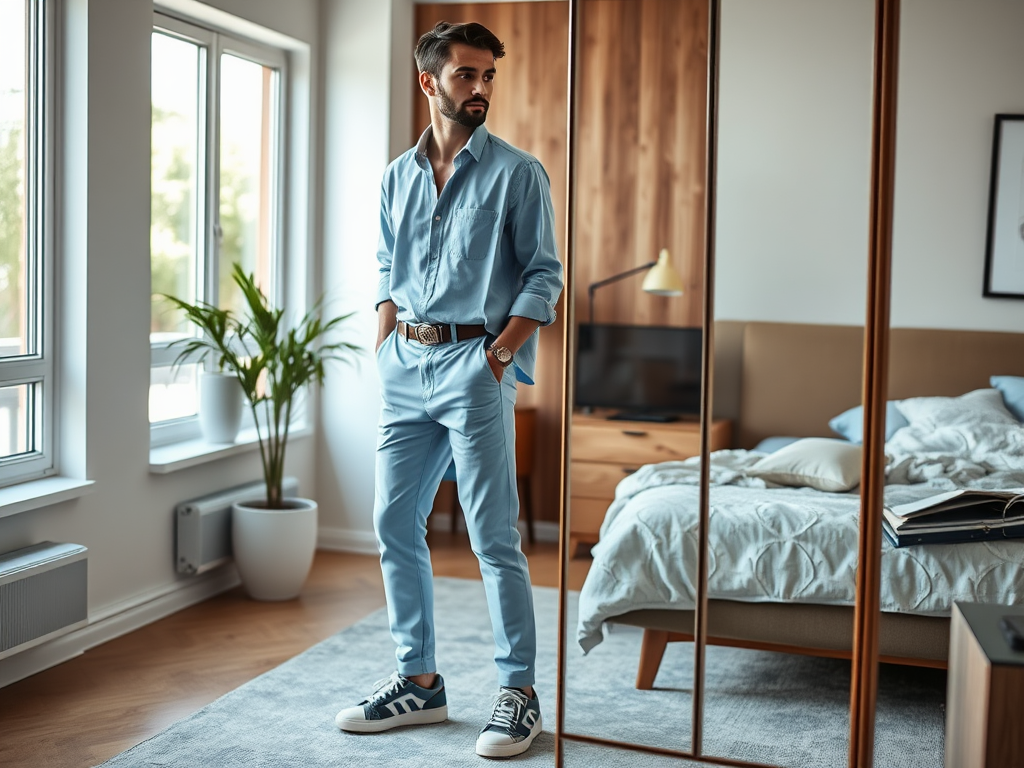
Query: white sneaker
[(395, 701), (514, 724)]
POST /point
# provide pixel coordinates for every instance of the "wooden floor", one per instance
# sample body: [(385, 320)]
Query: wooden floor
[(118, 694)]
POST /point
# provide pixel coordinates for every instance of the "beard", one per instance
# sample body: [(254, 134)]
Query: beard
[(459, 114)]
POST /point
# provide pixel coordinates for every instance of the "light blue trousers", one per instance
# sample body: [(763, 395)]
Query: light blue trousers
[(440, 403)]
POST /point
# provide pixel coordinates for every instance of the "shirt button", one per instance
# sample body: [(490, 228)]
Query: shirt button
[(437, 218)]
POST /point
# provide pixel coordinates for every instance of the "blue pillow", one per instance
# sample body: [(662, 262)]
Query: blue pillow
[(850, 424), (772, 444), (1012, 390)]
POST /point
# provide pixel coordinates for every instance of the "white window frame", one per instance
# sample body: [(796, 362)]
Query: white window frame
[(38, 367), (215, 42)]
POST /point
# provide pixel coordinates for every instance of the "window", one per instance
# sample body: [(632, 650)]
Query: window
[(216, 170), (27, 399)]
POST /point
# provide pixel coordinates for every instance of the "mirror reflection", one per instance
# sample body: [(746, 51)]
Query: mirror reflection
[(954, 367), (638, 265), (790, 296)]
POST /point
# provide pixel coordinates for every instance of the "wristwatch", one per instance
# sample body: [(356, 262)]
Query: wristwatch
[(502, 354)]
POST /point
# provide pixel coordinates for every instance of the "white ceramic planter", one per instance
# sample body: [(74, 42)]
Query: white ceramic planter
[(220, 406), (274, 548)]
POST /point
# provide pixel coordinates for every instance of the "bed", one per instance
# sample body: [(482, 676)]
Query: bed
[(783, 559)]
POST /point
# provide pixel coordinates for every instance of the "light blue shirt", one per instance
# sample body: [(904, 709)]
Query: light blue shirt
[(482, 251)]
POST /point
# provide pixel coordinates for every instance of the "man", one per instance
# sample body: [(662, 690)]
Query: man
[(468, 273)]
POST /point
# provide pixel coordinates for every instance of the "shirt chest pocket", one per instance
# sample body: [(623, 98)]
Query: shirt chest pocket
[(473, 232)]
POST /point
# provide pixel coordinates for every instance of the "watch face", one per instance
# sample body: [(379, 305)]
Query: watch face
[(503, 355)]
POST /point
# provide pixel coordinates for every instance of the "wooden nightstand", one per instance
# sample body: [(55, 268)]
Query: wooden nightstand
[(604, 452), (985, 690)]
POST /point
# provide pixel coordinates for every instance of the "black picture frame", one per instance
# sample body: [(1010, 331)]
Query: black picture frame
[(1004, 248)]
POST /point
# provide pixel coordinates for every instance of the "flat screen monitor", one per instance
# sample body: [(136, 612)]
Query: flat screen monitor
[(641, 371)]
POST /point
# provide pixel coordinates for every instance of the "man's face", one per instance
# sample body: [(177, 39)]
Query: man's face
[(465, 85)]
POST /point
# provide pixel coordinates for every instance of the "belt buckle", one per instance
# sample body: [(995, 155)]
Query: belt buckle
[(428, 335)]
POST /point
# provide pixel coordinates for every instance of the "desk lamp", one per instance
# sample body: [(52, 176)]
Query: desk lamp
[(663, 279)]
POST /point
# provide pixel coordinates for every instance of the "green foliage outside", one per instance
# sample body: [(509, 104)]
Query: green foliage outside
[(11, 227), (172, 212), (173, 217), (239, 212)]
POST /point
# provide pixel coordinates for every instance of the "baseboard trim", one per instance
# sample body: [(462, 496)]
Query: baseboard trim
[(544, 530), (347, 540), (116, 620)]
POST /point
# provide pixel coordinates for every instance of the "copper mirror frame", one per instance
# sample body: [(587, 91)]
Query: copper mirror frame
[(864, 678)]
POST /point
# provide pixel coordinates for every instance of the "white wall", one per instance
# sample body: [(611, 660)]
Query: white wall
[(794, 159), (127, 522), (960, 64), (356, 98), (794, 147), (367, 52)]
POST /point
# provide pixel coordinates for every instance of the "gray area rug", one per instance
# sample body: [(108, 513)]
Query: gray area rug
[(760, 706)]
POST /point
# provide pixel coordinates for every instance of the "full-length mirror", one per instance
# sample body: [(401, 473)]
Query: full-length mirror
[(801, 211), (792, 181)]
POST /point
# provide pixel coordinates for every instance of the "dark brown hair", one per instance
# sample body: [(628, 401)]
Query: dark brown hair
[(433, 48)]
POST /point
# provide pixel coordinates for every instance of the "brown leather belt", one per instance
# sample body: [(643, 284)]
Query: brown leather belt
[(432, 335)]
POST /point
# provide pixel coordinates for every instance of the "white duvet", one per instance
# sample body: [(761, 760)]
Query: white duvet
[(775, 544)]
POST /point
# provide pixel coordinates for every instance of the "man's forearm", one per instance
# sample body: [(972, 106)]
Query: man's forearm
[(516, 332), (387, 319)]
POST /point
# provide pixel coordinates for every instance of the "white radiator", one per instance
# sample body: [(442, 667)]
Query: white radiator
[(204, 525), (43, 594)]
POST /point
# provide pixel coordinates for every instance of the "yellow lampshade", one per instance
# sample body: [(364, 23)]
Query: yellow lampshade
[(663, 280)]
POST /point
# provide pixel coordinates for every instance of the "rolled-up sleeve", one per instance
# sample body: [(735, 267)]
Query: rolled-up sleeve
[(533, 237), (385, 249)]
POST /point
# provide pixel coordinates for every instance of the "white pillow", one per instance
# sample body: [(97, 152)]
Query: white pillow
[(982, 406), (816, 462)]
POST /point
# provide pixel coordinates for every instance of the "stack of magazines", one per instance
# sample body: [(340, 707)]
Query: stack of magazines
[(956, 516)]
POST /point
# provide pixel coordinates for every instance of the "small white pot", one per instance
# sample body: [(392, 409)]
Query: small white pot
[(220, 406), (274, 548)]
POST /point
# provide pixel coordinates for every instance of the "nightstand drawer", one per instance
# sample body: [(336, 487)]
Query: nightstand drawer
[(597, 480), (604, 451), (640, 443)]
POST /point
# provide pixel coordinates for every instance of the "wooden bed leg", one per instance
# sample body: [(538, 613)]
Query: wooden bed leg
[(651, 652)]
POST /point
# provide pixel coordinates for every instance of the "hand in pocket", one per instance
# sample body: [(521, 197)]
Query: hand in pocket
[(497, 369)]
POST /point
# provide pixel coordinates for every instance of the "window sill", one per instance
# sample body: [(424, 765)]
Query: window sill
[(191, 453), (41, 493)]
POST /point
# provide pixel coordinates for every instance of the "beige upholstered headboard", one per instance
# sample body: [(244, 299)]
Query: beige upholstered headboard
[(791, 378)]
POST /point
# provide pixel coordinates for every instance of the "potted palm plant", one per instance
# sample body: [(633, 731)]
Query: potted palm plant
[(273, 539)]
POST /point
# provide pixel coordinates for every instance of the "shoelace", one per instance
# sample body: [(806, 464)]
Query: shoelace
[(508, 704), (384, 688)]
